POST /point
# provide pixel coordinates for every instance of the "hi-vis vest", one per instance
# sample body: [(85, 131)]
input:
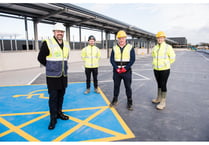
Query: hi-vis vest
[(91, 56), (163, 55), (56, 61), (122, 58)]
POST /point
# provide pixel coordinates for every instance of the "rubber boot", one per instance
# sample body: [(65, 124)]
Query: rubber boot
[(162, 104), (158, 99), (96, 90), (87, 91)]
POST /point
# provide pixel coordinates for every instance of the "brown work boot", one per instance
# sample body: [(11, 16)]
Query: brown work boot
[(96, 90), (87, 91), (158, 99), (162, 104)]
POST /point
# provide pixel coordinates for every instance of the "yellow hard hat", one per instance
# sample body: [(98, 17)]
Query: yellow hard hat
[(121, 33), (160, 34)]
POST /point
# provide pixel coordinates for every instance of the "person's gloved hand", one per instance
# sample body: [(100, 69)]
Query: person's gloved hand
[(118, 70), (123, 70)]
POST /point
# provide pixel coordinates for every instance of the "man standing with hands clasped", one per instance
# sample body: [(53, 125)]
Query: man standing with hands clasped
[(122, 58)]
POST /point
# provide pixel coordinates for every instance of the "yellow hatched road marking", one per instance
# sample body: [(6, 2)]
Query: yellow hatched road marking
[(122, 123), (104, 97), (79, 125), (24, 124), (43, 112), (28, 113), (104, 129), (114, 138), (80, 109), (18, 131)]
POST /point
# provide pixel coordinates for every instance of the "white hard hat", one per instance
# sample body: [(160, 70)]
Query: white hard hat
[(59, 26)]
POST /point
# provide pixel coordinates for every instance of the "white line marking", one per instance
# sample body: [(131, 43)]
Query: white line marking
[(108, 81), (148, 64), (204, 57), (146, 78), (82, 67), (142, 69), (34, 79)]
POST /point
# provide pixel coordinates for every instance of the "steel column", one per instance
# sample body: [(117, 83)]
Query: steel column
[(35, 28), (26, 33), (80, 36)]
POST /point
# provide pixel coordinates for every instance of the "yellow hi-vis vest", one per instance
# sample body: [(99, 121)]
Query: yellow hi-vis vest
[(91, 56), (163, 55), (56, 61), (122, 58)]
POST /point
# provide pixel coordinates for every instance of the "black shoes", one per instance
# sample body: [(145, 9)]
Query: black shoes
[(129, 107), (129, 104), (53, 120), (52, 124), (62, 116), (113, 103)]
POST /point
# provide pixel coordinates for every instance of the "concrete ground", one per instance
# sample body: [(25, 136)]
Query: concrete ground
[(186, 115)]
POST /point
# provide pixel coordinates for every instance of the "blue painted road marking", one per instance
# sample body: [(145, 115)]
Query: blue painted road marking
[(24, 116)]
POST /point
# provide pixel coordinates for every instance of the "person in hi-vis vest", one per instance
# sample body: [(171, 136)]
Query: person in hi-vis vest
[(91, 56), (122, 58), (163, 56), (53, 55)]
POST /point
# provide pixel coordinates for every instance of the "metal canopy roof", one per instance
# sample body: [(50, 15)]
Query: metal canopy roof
[(73, 16)]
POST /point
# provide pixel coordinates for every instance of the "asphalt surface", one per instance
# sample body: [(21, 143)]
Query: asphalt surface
[(186, 117)]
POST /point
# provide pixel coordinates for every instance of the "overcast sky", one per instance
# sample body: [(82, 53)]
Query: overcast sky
[(188, 20), (177, 20)]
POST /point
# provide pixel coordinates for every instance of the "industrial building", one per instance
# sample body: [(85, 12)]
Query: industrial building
[(182, 42)]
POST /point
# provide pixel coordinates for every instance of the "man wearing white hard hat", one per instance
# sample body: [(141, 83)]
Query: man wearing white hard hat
[(53, 55)]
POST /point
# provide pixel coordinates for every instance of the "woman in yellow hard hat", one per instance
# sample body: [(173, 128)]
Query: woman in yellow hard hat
[(163, 55)]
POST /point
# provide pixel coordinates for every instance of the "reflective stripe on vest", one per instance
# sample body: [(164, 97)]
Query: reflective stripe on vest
[(56, 64), (161, 60), (91, 57), (125, 56)]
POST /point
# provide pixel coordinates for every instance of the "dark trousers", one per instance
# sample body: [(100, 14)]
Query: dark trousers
[(88, 72), (55, 101), (162, 78), (127, 78)]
